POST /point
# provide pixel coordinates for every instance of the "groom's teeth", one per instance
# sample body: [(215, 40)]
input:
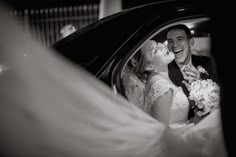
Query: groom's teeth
[(178, 51)]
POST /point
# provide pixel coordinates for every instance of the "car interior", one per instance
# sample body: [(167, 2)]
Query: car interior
[(202, 46)]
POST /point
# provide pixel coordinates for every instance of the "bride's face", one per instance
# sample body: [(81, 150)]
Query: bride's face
[(157, 54)]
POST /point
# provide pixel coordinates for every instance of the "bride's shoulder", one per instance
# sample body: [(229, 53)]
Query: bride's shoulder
[(158, 83), (157, 79)]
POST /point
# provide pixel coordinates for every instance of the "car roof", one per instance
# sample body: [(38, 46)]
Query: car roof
[(98, 42)]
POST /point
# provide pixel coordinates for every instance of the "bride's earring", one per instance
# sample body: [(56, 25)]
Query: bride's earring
[(134, 62)]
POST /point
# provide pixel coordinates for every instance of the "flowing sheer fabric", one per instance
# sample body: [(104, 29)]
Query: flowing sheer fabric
[(203, 140), (52, 108), (133, 87)]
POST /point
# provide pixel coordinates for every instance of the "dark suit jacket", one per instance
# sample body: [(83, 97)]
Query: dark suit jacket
[(177, 77)]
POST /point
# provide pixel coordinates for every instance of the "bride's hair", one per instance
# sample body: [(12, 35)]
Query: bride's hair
[(145, 67), (142, 67), (134, 65)]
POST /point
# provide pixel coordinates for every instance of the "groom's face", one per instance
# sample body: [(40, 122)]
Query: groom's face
[(180, 45)]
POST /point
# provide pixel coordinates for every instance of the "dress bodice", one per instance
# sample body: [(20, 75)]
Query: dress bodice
[(179, 108), (158, 86)]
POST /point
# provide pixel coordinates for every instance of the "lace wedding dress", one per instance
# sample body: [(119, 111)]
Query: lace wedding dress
[(158, 86)]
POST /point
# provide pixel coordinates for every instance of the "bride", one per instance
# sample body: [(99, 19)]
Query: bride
[(47, 110), (163, 100)]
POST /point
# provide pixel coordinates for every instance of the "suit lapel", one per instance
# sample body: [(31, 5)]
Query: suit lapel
[(175, 73), (195, 61)]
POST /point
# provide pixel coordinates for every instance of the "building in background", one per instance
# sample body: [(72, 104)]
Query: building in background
[(46, 18)]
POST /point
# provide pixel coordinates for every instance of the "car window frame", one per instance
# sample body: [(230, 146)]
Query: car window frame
[(118, 83)]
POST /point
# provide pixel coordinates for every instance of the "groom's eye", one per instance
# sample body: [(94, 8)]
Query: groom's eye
[(180, 38)]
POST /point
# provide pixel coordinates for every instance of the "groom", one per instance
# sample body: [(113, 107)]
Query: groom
[(183, 70)]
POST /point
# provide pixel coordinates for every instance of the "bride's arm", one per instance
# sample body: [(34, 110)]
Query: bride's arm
[(161, 107)]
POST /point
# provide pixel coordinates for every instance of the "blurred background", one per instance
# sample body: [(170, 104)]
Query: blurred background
[(47, 18)]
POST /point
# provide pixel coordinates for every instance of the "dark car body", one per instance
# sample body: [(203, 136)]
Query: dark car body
[(104, 47)]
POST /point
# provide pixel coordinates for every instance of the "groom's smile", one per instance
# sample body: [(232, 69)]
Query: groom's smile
[(178, 53)]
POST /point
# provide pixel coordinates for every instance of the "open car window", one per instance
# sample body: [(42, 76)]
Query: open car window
[(133, 87)]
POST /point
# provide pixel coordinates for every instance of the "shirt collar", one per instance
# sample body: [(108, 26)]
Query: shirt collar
[(181, 66)]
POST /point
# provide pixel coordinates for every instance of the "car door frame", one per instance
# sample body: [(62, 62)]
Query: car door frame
[(147, 31)]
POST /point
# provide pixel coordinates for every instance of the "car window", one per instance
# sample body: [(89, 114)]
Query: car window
[(133, 86)]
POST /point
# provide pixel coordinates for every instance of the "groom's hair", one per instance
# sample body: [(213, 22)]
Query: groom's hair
[(182, 27)]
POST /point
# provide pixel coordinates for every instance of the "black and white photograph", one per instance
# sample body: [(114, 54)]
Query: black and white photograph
[(114, 78)]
